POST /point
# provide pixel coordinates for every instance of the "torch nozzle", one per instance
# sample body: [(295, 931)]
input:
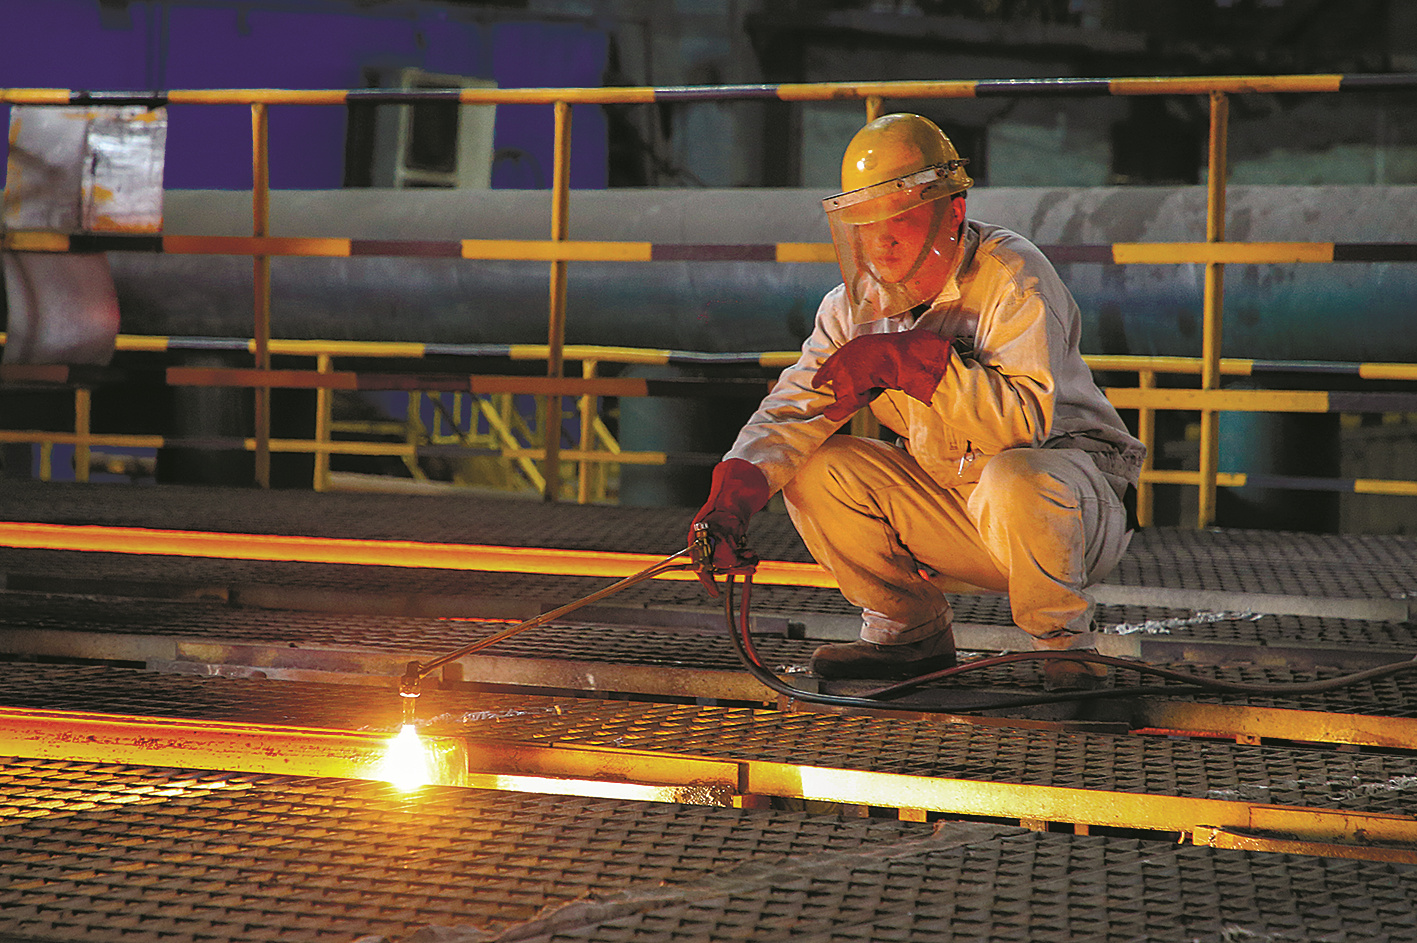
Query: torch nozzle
[(409, 689)]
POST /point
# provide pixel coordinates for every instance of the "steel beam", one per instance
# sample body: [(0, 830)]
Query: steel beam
[(249, 748), (565, 769)]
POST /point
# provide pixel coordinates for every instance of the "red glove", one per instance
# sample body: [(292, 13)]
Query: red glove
[(739, 491), (910, 361)]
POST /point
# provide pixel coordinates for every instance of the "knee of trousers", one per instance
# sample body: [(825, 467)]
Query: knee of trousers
[(1035, 492), (839, 469), (1018, 485)]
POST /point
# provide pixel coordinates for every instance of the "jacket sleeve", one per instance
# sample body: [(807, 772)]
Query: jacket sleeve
[(788, 425)]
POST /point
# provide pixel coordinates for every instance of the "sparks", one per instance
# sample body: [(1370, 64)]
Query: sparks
[(406, 763)]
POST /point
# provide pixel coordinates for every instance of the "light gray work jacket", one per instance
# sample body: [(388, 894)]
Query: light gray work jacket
[(1016, 378)]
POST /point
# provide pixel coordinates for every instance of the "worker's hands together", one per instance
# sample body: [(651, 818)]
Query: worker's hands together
[(911, 361), (739, 491)]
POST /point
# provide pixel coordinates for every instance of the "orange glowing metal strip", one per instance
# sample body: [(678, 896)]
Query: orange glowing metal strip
[(344, 550), (1231, 720), (1221, 838), (1095, 807), (247, 748)]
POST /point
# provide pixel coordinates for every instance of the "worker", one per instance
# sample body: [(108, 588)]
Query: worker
[(1008, 467)]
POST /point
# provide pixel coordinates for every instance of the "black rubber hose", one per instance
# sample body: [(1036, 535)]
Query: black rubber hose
[(740, 634)]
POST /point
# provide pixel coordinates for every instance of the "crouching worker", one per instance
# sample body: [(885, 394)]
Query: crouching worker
[(1011, 466)]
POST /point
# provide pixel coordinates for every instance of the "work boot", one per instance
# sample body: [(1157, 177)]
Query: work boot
[(1062, 674), (870, 660)]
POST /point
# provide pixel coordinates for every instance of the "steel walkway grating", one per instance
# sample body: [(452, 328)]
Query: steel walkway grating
[(29, 612), (190, 636), (111, 852), (1312, 777), (1022, 888), (1340, 566), (114, 853), (393, 589), (1249, 561), (1151, 765)]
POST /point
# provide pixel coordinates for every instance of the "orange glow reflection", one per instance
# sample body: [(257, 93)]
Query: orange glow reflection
[(404, 553), (406, 762)]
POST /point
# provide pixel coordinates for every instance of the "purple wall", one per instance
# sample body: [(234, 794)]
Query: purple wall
[(304, 44)]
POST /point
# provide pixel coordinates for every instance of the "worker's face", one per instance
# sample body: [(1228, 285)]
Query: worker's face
[(892, 247)]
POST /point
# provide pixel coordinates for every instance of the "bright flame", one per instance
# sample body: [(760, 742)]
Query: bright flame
[(406, 763)]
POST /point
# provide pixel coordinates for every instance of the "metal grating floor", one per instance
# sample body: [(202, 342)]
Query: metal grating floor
[(110, 852), (113, 853), (342, 587), (1312, 777), (1337, 566), (189, 636)]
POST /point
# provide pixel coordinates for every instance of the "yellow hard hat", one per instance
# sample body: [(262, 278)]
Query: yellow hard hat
[(898, 149)]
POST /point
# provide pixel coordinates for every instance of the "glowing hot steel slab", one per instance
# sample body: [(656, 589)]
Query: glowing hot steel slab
[(344, 550), (247, 748)]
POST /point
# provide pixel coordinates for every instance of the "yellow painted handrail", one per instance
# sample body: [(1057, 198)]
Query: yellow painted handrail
[(1214, 253)]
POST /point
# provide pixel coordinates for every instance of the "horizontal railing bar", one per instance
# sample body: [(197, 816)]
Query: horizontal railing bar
[(791, 92), (544, 250), (1269, 401), (1116, 363)]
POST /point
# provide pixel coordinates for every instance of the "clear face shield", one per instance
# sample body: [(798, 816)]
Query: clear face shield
[(883, 279)]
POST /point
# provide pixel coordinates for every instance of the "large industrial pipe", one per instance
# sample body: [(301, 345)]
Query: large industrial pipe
[(1341, 311)]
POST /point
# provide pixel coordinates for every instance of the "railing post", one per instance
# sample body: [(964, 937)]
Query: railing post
[(864, 424), (83, 415), (324, 405), (587, 409), (1214, 307), (261, 220), (1146, 431), (556, 339)]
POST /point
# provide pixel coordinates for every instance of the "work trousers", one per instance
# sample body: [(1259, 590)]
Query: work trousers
[(1039, 524)]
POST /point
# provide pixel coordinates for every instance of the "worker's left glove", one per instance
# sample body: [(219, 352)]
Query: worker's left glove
[(911, 361), (739, 490)]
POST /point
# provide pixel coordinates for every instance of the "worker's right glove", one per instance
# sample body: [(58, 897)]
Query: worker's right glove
[(912, 361), (739, 491)]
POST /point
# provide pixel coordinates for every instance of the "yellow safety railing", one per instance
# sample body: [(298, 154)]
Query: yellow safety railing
[(1214, 253)]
